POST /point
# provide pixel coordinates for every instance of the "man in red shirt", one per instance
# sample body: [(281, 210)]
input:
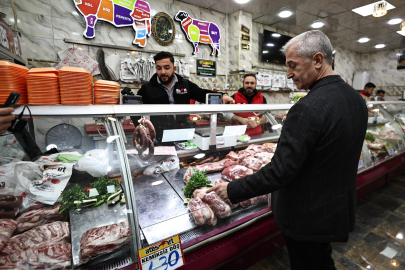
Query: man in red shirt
[(368, 90), (248, 94)]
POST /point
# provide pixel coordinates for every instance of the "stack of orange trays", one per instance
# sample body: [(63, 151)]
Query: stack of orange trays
[(13, 77), (76, 86), (43, 86), (106, 92)]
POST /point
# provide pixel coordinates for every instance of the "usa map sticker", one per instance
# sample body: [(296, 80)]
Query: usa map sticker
[(120, 13), (198, 31)]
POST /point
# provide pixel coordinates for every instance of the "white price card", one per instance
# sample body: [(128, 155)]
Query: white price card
[(390, 150), (111, 189), (401, 145), (93, 192), (361, 163), (167, 254)]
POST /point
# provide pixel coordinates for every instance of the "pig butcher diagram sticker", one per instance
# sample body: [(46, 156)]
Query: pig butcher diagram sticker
[(198, 31), (120, 13)]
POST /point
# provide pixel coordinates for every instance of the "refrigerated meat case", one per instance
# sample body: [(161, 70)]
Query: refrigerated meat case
[(155, 208)]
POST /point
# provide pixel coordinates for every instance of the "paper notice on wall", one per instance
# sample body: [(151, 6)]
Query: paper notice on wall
[(78, 58), (266, 79), (259, 78)]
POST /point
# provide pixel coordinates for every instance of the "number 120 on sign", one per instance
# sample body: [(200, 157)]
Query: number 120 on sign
[(166, 255)]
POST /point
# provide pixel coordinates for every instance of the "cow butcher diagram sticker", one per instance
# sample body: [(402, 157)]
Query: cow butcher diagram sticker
[(198, 31), (120, 13)]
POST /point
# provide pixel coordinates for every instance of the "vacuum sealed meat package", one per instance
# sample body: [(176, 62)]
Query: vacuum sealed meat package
[(257, 148), (264, 157), (201, 212), (251, 162), (36, 217), (200, 192), (233, 206), (235, 172), (220, 208)]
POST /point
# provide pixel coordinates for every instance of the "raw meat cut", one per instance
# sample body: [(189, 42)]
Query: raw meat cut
[(251, 162), (229, 163), (245, 204), (264, 157), (200, 211), (7, 227), (255, 147), (269, 149), (235, 172), (245, 153), (55, 256), (101, 240), (211, 167), (37, 217), (258, 200), (227, 201), (232, 156), (47, 234), (220, 208), (200, 192), (188, 175), (213, 220)]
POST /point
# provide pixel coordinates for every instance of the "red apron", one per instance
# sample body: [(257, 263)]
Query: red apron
[(241, 99)]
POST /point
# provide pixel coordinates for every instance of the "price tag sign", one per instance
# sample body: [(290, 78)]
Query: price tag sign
[(390, 150), (93, 192), (167, 255), (401, 145), (361, 162)]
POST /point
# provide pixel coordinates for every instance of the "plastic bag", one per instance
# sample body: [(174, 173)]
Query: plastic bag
[(8, 179), (42, 184), (95, 162), (171, 163)]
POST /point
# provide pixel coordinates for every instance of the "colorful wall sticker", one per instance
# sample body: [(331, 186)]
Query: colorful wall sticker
[(199, 32), (120, 13)]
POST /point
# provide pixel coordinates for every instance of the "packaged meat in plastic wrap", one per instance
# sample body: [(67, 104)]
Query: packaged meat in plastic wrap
[(52, 233), (235, 172), (251, 162), (53, 256), (259, 200), (229, 163), (201, 212), (37, 217), (245, 204), (233, 206), (245, 153), (264, 157), (220, 208), (232, 156), (188, 174), (7, 227), (255, 147), (8, 178), (200, 192), (211, 167), (104, 239)]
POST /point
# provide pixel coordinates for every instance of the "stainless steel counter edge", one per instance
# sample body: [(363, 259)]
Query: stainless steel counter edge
[(228, 232)]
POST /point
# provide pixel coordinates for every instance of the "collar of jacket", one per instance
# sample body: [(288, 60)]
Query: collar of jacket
[(154, 78), (242, 91), (324, 81)]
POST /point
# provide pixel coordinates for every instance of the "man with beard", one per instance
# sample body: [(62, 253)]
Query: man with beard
[(312, 177), (248, 94), (167, 87)]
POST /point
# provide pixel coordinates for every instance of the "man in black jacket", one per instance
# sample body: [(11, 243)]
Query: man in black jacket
[(166, 87), (313, 174)]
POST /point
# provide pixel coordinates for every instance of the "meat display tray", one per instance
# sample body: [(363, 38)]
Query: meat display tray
[(161, 211), (89, 218)]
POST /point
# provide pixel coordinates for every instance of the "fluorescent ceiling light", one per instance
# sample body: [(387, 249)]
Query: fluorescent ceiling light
[(242, 1), (363, 40), (285, 14), (275, 35), (394, 21), (270, 44), (317, 24), (379, 46), (368, 9), (265, 51), (401, 32)]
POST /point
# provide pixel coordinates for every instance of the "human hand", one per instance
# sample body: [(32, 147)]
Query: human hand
[(221, 190), (252, 123), (227, 100), (244, 121), (6, 118)]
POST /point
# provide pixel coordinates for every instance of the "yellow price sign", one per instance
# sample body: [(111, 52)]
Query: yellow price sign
[(167, 253)]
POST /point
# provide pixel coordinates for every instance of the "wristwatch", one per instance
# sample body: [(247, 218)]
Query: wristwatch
[(258, 121)]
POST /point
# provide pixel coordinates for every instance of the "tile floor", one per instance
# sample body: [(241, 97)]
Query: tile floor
[(378, 241)]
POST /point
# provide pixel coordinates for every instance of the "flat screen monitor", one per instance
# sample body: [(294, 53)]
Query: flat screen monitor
[(272, 44)]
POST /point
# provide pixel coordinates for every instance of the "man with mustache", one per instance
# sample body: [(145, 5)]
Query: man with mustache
[(312, 177), (167, 87), (248, 94)]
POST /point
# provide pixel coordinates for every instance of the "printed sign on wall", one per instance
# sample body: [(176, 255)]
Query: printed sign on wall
[(206, 68), (198, 31), (120, 13)]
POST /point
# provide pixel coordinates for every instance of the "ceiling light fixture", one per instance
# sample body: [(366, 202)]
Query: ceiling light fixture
[(275, 35), (368, 10), (364, 40), (285, 14), (394, 21), (242, 1), (317, 24), (380, 9), (402, 26), (379, 46), (270, 44), (265, 51)]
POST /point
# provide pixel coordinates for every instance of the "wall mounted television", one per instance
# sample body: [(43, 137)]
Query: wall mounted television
[(271, 47)]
